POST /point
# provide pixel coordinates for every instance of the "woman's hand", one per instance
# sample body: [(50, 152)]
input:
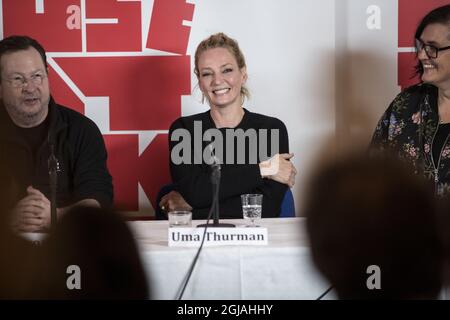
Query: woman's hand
[(279, 168), (174, 201)]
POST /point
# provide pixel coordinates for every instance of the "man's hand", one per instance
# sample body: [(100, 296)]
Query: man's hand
[(279, 168), (174, 201), (32, 213)]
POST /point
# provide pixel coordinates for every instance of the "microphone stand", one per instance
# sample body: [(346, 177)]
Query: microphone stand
[(215, 180), (53, 176)]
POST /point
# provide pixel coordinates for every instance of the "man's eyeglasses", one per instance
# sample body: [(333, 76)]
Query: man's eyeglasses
[(20, 81), (431, 51)]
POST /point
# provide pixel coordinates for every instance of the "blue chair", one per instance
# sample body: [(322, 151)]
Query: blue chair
[(287, 206)]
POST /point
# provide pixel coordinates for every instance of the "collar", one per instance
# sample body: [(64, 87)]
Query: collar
[(241, 124), (56, 121)]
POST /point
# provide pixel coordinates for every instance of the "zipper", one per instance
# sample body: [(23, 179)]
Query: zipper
[(436, 167), (436, 170), (436, 177)]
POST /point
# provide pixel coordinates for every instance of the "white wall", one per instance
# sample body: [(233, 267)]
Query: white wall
[(367, 62)]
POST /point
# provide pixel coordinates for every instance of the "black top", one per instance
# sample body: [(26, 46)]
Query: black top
[(439, 140), (192, 176), (34, 137), (78, 146)]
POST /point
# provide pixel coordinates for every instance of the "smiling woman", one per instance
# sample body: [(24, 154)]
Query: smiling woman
[(416, 125), (222, 72)]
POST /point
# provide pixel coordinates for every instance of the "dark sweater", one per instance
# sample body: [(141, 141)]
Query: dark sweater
[(193, 180)]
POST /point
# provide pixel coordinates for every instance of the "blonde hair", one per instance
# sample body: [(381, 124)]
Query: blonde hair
[(221, 40)]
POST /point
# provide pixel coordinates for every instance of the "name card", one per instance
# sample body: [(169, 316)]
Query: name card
[(192, 237)]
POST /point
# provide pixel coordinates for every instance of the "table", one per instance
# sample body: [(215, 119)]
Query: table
[(280, 270)]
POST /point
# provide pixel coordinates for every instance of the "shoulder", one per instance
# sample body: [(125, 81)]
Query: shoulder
[(419, 89), (72, 117), (409, 100), (413, 93), (262, 121), (187, 122), (75, 121)]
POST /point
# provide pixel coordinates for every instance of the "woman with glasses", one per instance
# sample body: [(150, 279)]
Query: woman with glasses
[(416, 125)]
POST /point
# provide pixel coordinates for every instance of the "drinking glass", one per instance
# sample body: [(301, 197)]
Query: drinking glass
[(251, 208), (180, 218)]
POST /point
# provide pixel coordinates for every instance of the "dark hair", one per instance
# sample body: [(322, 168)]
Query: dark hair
[(364, 211), (439, 15), (100, 243), (18, 43), (18, 256)]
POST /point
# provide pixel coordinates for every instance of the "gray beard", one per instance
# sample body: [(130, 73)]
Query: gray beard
[(27, 120)]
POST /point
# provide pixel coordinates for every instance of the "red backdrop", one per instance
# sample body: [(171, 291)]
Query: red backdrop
[(144, 87), (410, 12)]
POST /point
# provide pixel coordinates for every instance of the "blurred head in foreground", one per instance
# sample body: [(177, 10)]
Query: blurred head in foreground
[(372, 224), (17, 255), (97, 245)]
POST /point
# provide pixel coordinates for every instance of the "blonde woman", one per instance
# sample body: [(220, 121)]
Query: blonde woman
[(260, 164)]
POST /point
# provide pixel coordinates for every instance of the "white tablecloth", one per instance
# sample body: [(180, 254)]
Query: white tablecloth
[(280, 270)]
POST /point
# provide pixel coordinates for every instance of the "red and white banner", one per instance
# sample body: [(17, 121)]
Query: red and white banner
[(127, 64), (124, 65)]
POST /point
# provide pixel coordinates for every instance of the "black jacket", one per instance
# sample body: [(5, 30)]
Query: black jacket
[(78, 147)]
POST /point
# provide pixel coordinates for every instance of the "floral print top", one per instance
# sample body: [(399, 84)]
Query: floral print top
[(408, 127)]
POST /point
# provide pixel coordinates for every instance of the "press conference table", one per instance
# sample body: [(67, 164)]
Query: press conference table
[(280, 270)]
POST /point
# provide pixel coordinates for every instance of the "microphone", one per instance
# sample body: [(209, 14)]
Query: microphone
[(53, 168), (215, 173), (216, 168)]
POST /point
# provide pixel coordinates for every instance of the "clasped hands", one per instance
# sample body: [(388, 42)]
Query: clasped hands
[(32, 213)]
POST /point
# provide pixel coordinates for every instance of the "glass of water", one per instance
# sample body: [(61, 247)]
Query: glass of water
[(251, 208), (180, 218)]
